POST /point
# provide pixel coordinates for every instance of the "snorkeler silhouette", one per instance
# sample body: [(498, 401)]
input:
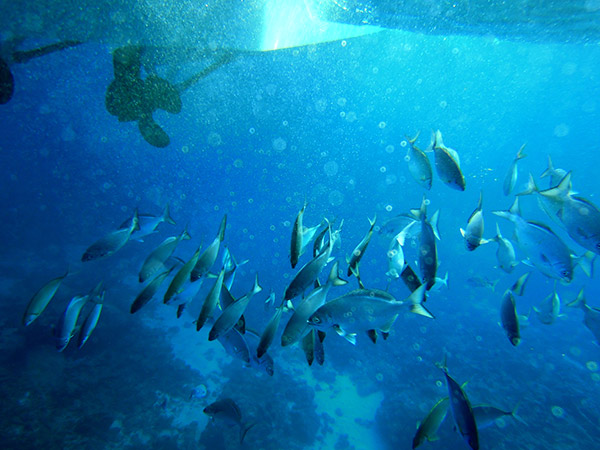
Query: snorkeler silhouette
[(9, 56), (131, 98)]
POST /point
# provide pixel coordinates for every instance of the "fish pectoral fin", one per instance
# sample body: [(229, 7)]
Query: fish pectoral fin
[(433, 438), (350, 337), (388, 326)]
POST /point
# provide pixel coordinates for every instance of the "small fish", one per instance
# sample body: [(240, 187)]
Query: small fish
[(473, 235), (544, 249), (308, 233), (89, 324), (364, 310), (296, 245), (307, 275), (182, 275), (439, 282), (427, 429), (505, 254), (148, 292), (555, 174), (447, 164), (591, 315), (510, 180), (395, 253), (308, 346), (509, 319), (549, 309), (519, 287), (148, 224), (232, 313), (462, 411), (40, 300), (268, 334), (235, 345), (479, 281), (156, 260), (428, 262), (210, 303), (360, 249), (227, 411), (298, 325), (231, 266), (209, 256), (486, 415), (418, 164), (265, 362), (68, 320), (112, 242), (320, 244)]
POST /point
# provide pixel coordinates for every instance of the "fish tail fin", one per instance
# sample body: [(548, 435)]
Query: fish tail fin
[(586, 262), (498, 233), (222, 228), (531, 187), (445, 281), (513, 212), (520, 154), (166, 216), (257, 287), (561, 191), (135, 220), (372, 222), (434, 224), (579, 300), (494, 284), (334, 277), (438, 141), (416, 300), (186, 235), (244, 430), (518, 418), (413, 140), (549, 170), (442, 365)]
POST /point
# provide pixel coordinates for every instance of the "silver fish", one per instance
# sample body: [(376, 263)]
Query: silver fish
[(505, 254), (555, 174), (549, 309), (227, 411), (307, 275), (296, 245), (156, 260), (209, 256), (231, 266), (462, 411), (112, 242), (148, 292), (486, 415), (149, 224), (40, 300), (66, 324), (591, 315), (232, 313), (265, 362), (210, 303), (447, 165), (235, 345), (89, 325), (519, 286), (360, 249), (428, 262), (418, 164), (544, 249), (510, 180), (182, 275), (509, 319), (473, 235), (297, 325), (364, 310), (268, 334), (395, 253), (426, 430)]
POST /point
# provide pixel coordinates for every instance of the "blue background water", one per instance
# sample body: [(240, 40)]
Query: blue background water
[(254, 140)]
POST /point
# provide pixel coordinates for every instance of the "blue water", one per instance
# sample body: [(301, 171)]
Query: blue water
[(325, 124)]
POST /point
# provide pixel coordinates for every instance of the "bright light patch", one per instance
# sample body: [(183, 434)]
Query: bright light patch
[(293, 23)]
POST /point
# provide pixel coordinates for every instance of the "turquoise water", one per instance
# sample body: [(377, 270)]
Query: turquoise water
[(256, 138)]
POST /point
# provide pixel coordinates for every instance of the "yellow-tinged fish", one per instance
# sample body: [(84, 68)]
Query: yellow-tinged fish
[(112, 242), (148, 292), (209, 256), (176, 286), (473, 235), (296, 245), (509, 318), (157, 259), (360, 249), (418, 164), (447, 164), (210, 303), (40, 300), (510, 180)]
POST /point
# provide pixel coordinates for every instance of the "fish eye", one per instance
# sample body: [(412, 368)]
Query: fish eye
[(316, 320)]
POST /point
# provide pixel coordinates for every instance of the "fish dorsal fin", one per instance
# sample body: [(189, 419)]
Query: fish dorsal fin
[(515, 209)]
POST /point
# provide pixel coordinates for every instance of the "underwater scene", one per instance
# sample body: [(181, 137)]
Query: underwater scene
[(300, 224)]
